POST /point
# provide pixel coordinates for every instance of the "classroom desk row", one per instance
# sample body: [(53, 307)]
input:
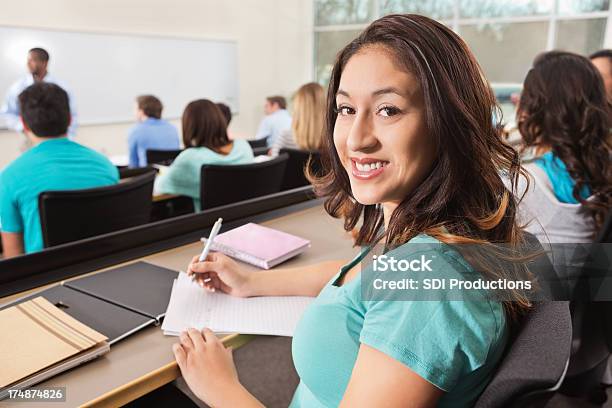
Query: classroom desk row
[(143, 362)]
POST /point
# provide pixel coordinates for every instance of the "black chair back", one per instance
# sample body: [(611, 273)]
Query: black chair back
[(592, 318), (255, 143), (536, 361), (605, 235), (164, 157), (220, 185), (260, 151), (295, 171), (76, 214), (125, 172)]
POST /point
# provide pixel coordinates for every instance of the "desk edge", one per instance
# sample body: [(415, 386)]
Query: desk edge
[(143, 385)]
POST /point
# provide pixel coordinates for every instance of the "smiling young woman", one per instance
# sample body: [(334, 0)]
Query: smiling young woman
[(411, 150)]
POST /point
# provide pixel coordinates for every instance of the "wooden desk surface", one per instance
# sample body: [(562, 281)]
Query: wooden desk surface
[(144, 361)]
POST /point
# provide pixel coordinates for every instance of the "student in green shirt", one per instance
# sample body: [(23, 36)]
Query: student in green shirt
[(411, 152), (206, 142)]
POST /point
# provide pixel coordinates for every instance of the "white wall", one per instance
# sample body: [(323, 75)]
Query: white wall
[(274, 47)]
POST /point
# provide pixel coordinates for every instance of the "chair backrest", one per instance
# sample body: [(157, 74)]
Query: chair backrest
[(255, 143), (125, 172), (592, 319), (259, 151), (605, 235), (165, 157), (536, 360), (220, 185), (295, 171), (76, 214)]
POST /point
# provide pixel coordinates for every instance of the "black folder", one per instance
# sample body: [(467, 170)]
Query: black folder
[(140, 287), (113, 321)]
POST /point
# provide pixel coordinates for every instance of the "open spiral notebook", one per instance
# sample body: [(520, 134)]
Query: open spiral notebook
[(192, 306)]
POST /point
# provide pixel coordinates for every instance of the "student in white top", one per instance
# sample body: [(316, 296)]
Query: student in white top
[(565, 125), (306, 130), (277, 119), (37, 62)]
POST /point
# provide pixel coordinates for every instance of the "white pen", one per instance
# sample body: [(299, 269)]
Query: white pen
[(213, 233)]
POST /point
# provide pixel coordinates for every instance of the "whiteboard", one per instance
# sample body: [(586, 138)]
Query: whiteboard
[(105, 72)]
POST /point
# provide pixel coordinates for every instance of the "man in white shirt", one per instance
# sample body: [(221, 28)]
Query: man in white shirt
[(38, 60), (276, 121)]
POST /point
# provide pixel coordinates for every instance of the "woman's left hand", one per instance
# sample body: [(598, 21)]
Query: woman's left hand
[(207, 366)]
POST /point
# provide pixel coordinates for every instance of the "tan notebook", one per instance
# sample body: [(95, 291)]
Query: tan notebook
[(37, 338)]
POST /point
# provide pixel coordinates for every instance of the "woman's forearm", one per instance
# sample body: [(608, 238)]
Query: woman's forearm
[(241, 397), (302, 281)]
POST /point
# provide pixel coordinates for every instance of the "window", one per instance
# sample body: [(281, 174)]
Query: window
[(327, 45), (569, 7), (583, 36), (505, 35), (503, 8), (438, 9), (330, 12), (505, 50)]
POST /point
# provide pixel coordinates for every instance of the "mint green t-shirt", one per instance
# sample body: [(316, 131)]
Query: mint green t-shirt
[(183, 176), (455, 345), (55, 164)]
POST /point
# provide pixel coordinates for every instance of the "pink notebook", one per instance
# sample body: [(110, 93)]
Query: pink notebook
[(260, 246)]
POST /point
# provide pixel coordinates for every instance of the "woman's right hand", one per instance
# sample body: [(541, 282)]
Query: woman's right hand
[(220, 272)]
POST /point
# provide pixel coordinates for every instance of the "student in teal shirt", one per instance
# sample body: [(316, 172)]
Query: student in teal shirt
[(53, 163), (206, 141), (562, 182), (413, 158)]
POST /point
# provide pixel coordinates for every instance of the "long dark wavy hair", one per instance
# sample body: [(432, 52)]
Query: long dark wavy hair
[(463, 199), (564, 106)]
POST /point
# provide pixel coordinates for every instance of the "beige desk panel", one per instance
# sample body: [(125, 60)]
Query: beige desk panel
[(143, 362)]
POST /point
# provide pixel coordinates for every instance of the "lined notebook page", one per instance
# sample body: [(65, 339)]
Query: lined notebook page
[(192, 306)]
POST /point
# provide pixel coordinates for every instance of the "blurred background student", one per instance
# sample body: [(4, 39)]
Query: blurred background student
[(306, 132), (227, 113), (151, 131), (37, 63), (53, 163), (564, 126), (277, 119), (206, 142), (602, 60)]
